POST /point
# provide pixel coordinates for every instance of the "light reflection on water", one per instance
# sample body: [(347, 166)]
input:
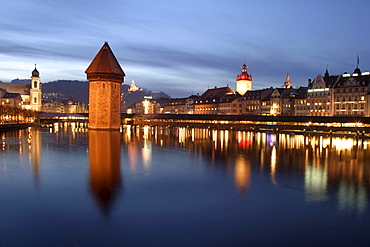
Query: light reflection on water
[(325, 161), (124, 172)]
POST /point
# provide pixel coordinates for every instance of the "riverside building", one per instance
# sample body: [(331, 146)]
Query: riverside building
[(339, 95)]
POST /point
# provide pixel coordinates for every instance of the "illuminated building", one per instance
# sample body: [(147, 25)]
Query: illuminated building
[(63, 106), (275, 102), (221, 101), (24, 95), (293, 102), (146, 106), (180, 105), (252, 101), (105, 76), (339, 95), (10, 99), (243, 81), (35, 91), (22, 89), (319, 96), (133, 87), (350, 93)]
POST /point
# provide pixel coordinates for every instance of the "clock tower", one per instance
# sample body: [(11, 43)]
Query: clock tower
[(243, 81)]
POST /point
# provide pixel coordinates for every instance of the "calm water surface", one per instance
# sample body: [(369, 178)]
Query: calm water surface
[(157, 186)]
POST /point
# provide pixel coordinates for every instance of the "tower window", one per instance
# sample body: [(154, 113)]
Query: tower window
[(35, 100), (35, 84)]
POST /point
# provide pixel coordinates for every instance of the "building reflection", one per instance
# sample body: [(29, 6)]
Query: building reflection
[(242, 173), (105, 170), (330, 166), (35, 151), (29, 146)]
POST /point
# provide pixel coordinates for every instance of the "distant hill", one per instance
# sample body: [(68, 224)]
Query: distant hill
[(24, 81), (79, 90)]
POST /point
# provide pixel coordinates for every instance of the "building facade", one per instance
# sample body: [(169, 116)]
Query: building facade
[(218, 101)]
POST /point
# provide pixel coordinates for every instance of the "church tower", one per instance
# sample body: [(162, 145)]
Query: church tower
[(105, 76), (287, 83), (35, 91), (243, 81)]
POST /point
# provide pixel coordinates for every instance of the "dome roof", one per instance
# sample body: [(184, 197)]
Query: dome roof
[(35, 73), (244, 75)]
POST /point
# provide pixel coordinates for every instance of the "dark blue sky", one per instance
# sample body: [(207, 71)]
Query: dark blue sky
[(184, 47)]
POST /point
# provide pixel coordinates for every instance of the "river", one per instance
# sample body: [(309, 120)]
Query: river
[(161, 186)]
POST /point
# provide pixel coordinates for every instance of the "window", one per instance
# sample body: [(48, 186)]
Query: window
[(35, 84), (35, 100)]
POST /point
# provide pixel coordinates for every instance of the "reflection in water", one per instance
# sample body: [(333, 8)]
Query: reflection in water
[(28, 144), (352, 198), (147, 148), (326, 163), (273, 165), (35, 147), (242, 173), (105, 173), (315, 182)]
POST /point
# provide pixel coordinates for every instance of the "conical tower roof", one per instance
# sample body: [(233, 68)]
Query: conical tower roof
[(105, 66)]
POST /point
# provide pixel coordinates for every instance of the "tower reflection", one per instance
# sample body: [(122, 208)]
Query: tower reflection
[(105, 170), (35, 151)]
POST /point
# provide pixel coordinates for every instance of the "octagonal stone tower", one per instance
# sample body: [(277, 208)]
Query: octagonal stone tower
[(105, 76)]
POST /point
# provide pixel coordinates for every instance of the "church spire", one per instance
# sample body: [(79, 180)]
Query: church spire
[(326, 72), (287, 83), (357, 69)]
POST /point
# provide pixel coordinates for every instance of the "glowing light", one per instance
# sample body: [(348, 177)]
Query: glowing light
[(273, 165), (146, 106)]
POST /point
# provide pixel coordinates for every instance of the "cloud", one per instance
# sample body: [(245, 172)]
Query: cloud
[(183, 46)]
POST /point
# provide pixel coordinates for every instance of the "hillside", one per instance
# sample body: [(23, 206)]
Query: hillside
[(80, 91)]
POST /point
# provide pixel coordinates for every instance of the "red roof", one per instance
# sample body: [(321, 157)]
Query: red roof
[(244, 75)]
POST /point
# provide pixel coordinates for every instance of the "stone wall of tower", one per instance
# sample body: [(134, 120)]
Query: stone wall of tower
[(104, 105)]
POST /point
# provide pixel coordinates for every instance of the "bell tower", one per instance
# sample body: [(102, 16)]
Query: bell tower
[(105, 76), (35, 91)]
